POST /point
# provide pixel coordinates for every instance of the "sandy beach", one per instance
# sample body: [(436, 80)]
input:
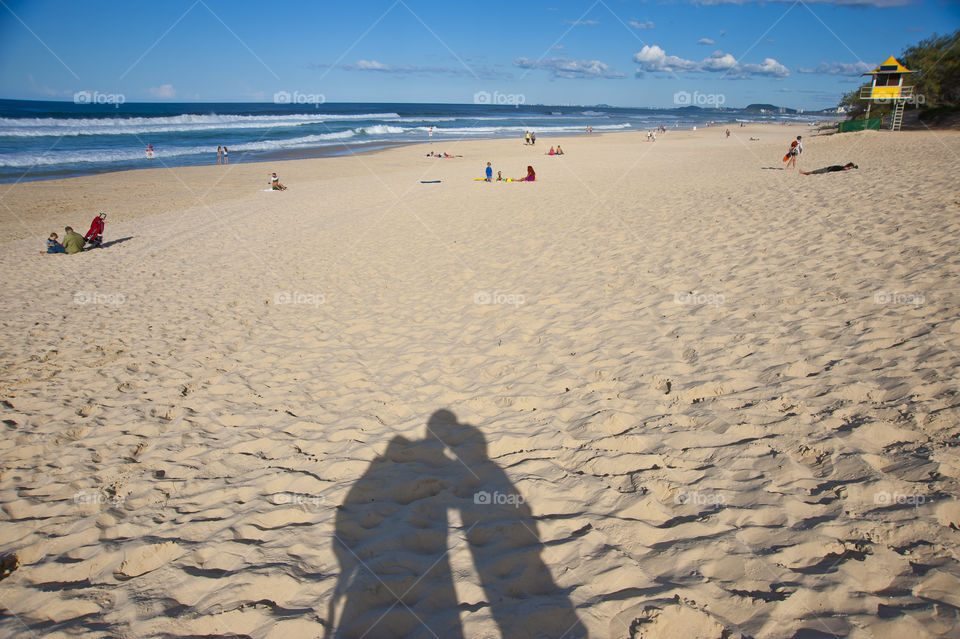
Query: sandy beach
[(667, 390)]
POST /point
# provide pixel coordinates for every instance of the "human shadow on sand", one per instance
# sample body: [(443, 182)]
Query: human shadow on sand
[(393, 535)]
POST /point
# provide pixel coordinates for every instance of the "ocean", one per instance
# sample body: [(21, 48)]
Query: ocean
[(44, 140)]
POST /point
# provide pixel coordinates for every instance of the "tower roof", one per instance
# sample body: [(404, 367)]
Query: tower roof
[(891, 65)]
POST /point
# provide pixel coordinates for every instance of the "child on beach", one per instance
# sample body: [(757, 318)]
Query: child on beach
[(489, 177), (53, 246)]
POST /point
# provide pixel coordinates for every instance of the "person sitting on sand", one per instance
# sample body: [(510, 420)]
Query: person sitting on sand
[(53, 246), (72, 242), (531, 176), (559, 150), (499, 176), (275, 183), (551, 151), (831, 169)]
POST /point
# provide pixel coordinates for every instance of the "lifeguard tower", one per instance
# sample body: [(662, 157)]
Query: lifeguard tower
[(888, 86)]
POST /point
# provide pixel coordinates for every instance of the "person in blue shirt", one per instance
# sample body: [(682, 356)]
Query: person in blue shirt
[(53, 246), (489, 173)]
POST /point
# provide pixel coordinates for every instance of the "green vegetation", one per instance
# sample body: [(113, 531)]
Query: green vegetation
[(937, 59)]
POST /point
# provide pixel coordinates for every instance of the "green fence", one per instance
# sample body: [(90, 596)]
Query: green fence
[(859, 125)]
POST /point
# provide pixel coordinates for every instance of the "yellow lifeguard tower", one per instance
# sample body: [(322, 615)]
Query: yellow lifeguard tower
[(888, 86)]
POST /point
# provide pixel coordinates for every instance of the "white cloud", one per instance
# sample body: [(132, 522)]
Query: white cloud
[(401, 70), (641, 25), (570, 69), (705, 41), (768, 67), (653, 58), (719, 61), (164, 91), (840, 68)]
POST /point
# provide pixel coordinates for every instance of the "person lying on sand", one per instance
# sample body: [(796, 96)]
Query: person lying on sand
[(531, 176), (275, 183), (831, 169)]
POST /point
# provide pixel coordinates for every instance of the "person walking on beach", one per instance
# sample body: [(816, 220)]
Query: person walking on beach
[(533, 137), (226, 160), (527, 139), (219, 155), (796, 148)]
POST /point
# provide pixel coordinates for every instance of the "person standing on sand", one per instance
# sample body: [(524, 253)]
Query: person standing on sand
[(527, 138), (796, 148), (226, 160), (489, 177), (219, 155), (533, 137)]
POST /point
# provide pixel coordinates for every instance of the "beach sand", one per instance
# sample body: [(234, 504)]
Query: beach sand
[(691, 394)]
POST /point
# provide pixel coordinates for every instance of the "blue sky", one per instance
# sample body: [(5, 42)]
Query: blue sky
[(797, 54)]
